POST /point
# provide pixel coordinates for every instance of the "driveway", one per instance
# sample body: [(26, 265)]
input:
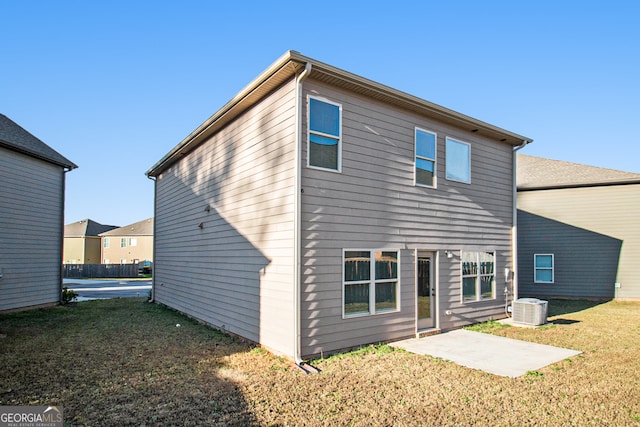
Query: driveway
[(490, 353), (88, 289)]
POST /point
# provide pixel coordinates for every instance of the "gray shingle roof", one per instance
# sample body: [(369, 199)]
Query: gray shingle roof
[(540, 173), (86, 227), (140, 228), (14, 137)]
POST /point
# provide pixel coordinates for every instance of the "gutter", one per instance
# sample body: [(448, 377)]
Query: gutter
[(297, 255), (514, 226)]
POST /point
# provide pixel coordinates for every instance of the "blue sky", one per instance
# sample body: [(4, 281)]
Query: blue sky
[(115, 85)]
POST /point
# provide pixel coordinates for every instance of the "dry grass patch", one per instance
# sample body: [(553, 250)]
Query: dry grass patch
[(124, 362)]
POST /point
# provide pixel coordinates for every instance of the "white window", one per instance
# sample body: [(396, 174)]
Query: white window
[(106, 261), (543, 265), (123, 261), (478, 276), (458, 161), (133, 241), (370, 282), (324, 138), (425, 158), (123, 242), (105, 243)]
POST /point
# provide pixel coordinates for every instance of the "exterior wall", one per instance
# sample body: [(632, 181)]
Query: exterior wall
[(82, 250), (115, 252), (224, 223), (374, 204), (31, 209), (73, 250), (607, 215)]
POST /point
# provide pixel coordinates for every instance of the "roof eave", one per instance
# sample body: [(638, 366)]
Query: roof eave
[(287, 66), (67, 164)]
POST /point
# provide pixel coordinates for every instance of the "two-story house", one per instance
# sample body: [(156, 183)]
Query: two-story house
[(131, 244), (32, 189), (318, 210), (82, 243)]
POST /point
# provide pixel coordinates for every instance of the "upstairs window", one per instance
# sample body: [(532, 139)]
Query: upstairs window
[(458, 161), (123, 242), (425, 158), (478, 276), (324, 134), (543, 268), (133, 241), (105, 243)]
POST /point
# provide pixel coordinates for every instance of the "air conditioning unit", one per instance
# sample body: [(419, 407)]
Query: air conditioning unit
[(530, 311)]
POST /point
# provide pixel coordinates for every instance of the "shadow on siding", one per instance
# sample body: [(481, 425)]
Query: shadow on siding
[(585, 262)]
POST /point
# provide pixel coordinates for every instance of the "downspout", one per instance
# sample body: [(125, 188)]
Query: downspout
[(64, 195), (297, 211), (153, 247), (514, 226)]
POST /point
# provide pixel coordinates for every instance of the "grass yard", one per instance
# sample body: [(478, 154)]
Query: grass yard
[(124, 362)]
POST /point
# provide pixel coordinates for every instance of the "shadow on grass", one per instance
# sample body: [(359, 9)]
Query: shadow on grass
[(558, 307), (121, 362)]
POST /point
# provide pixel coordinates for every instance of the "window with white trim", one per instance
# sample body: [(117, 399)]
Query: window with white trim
[(370, 282), (133, 241), (478, 276), (425, 158), (543, 265), (458, 160), (105, 243), (325, 134), (123, 242)]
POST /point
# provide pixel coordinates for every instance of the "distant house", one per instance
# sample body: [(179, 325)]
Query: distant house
[(32, 184), (82, 243), (318, 211), (578, 230), (130, 244)]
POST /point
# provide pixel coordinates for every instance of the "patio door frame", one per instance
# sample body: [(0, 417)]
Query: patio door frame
[(434, 321)]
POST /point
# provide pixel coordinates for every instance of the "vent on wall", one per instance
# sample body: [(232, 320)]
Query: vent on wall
[(530, 311)]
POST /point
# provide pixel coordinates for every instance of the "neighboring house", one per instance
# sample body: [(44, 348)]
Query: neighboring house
[(130, 244), (319, 211), (32, 184), (578, 230), (82, 243)]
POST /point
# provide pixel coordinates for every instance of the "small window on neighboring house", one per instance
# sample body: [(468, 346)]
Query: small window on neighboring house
[(324, 134), (123, 261), (133, 241), (105, 243), (543, 268), (425, 158), (478, 276), (370, 282), (106, 260), (458, 161), (123, 242)]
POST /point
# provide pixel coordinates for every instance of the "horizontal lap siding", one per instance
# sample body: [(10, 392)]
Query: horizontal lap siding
[(30, 231), (374, 204), (236, 272), (596, 224)]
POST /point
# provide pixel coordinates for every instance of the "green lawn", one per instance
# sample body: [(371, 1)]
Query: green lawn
[(124, 362)]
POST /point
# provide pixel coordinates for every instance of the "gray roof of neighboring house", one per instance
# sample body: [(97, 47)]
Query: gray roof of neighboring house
[(16, 138), (140, 228), (86, 227), (290, 65), (537, 173)]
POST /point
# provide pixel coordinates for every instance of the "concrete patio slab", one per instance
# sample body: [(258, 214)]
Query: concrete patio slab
[(490, 353)]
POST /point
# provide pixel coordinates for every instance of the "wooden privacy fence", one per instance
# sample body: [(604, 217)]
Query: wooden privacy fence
[(93, 271)]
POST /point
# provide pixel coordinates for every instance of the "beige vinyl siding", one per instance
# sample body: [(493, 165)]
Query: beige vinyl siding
[(142, 251), (374, 204), (225, 226), (30, 231), (607, 210)]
